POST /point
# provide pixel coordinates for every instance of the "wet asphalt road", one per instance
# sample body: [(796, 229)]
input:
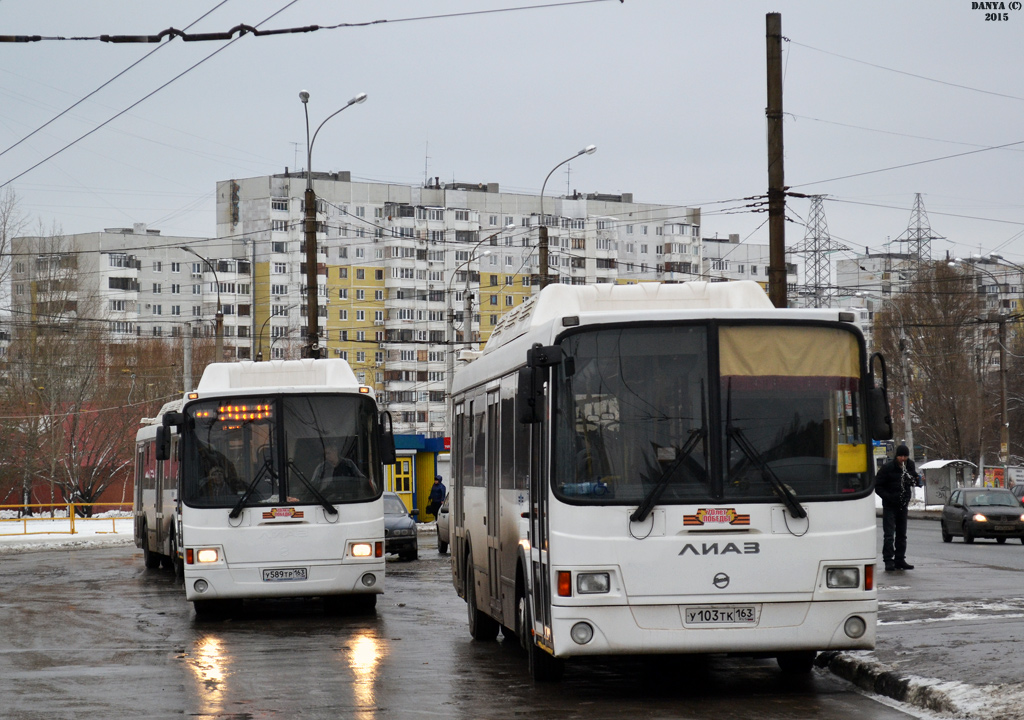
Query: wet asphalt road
[(90, 633)]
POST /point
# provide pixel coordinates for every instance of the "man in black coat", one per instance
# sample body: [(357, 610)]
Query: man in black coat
[(436, 498), (895, 483)]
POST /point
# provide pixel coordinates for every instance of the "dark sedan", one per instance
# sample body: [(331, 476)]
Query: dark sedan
[(399, 528), (982, 513)]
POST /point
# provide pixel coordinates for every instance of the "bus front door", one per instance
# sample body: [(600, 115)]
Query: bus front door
[(493, 506)]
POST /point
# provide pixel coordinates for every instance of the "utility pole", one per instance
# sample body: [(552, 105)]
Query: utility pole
[(312, 348), (1004, 418), (186, 368), (776, 174)]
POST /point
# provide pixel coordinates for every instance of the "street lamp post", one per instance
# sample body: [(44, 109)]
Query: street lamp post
[(219, 326), (313, 349), (259, 354), (1000, 320), (467, 318), (542, 243)]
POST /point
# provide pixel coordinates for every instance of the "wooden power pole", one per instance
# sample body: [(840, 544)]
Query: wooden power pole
[(776, 175)]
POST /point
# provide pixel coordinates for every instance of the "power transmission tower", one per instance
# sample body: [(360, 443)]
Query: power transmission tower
[(818, 246), (918, 236)]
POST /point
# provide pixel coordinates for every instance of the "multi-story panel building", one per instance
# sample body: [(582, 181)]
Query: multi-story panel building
[(729, 259), (137, 282), (395, 262)]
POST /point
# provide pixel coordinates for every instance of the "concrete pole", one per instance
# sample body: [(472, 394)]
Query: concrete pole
[(776, 174)]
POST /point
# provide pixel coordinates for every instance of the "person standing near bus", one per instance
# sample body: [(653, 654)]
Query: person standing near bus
[(436, 498), (895, 483)]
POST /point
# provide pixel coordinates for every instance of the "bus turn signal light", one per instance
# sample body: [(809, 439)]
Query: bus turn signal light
[(564, 583)]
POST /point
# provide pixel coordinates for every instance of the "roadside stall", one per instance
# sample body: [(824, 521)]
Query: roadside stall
[(942, 477)]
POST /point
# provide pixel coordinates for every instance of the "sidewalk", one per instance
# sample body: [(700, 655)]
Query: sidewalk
[(929, 651)]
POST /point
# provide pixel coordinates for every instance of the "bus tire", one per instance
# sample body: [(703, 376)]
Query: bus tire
[(442, 547), (149, 558), (796, 662), (544, 667), (215, 609), (482, 627)]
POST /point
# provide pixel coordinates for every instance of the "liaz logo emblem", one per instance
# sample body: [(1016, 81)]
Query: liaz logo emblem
[(273, 513), (746, 548), (716, 516)]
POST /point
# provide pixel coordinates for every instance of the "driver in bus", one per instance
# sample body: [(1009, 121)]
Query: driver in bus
[(340, 472)]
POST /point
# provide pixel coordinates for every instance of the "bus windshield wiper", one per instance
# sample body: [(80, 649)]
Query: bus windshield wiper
[(316, 493), (788, 498), (652, 497), (237, 509)]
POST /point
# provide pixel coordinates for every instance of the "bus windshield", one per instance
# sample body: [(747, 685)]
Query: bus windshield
[(293, 449), (634, 416)]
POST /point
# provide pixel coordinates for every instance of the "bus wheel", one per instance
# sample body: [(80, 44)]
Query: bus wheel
[(149, 558), (797, 662), (215, 609), (543, 667), (481, 626)]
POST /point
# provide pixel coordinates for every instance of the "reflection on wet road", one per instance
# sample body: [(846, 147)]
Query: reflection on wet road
[(92, 634)]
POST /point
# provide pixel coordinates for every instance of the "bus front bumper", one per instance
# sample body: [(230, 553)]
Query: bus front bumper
[(778, 627)]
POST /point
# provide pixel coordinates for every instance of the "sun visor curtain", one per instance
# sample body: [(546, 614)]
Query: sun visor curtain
[(759, 357)]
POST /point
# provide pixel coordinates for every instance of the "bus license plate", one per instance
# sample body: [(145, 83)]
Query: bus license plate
[(284, 574), (721, 615)]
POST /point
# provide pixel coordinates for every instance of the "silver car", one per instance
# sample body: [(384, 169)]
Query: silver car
[(443, 536)]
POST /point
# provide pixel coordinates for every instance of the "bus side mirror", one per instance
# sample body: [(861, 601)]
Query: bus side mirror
[(386, 440), (530, 395), (163, 443), (878, 415)]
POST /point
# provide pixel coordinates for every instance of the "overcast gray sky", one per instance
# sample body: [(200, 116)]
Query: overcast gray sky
[(672, 93)]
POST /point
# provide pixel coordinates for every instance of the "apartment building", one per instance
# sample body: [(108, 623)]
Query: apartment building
[(135, 282), (395, 262)]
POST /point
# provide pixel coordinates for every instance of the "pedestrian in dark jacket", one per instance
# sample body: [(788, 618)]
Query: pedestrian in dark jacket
[(436, 498), (895, 483)]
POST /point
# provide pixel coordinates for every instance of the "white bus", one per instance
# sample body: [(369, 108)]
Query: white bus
[(155, 497), (281, 475), (667, 468)]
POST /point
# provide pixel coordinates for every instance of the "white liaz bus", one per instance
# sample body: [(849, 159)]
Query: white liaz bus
[(667, 468), (281, 475), (155, 496)]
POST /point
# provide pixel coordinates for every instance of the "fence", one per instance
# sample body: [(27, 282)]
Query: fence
[(65, 519)]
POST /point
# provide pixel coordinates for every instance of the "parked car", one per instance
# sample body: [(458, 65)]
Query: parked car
[(982, 513), (443, 536), (399, 528)]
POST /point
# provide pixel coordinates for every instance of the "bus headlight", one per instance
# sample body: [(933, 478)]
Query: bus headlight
[(207, 555), (592, 583), (842, 577), (362, 549)]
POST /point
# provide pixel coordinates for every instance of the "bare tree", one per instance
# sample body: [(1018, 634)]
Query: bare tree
[(934, 335)]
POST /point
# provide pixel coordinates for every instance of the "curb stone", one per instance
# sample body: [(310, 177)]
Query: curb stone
[(882, 680)]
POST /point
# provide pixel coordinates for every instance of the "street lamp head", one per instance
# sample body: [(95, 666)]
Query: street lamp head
[(589, 150), (303, 96), (360, 98)]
